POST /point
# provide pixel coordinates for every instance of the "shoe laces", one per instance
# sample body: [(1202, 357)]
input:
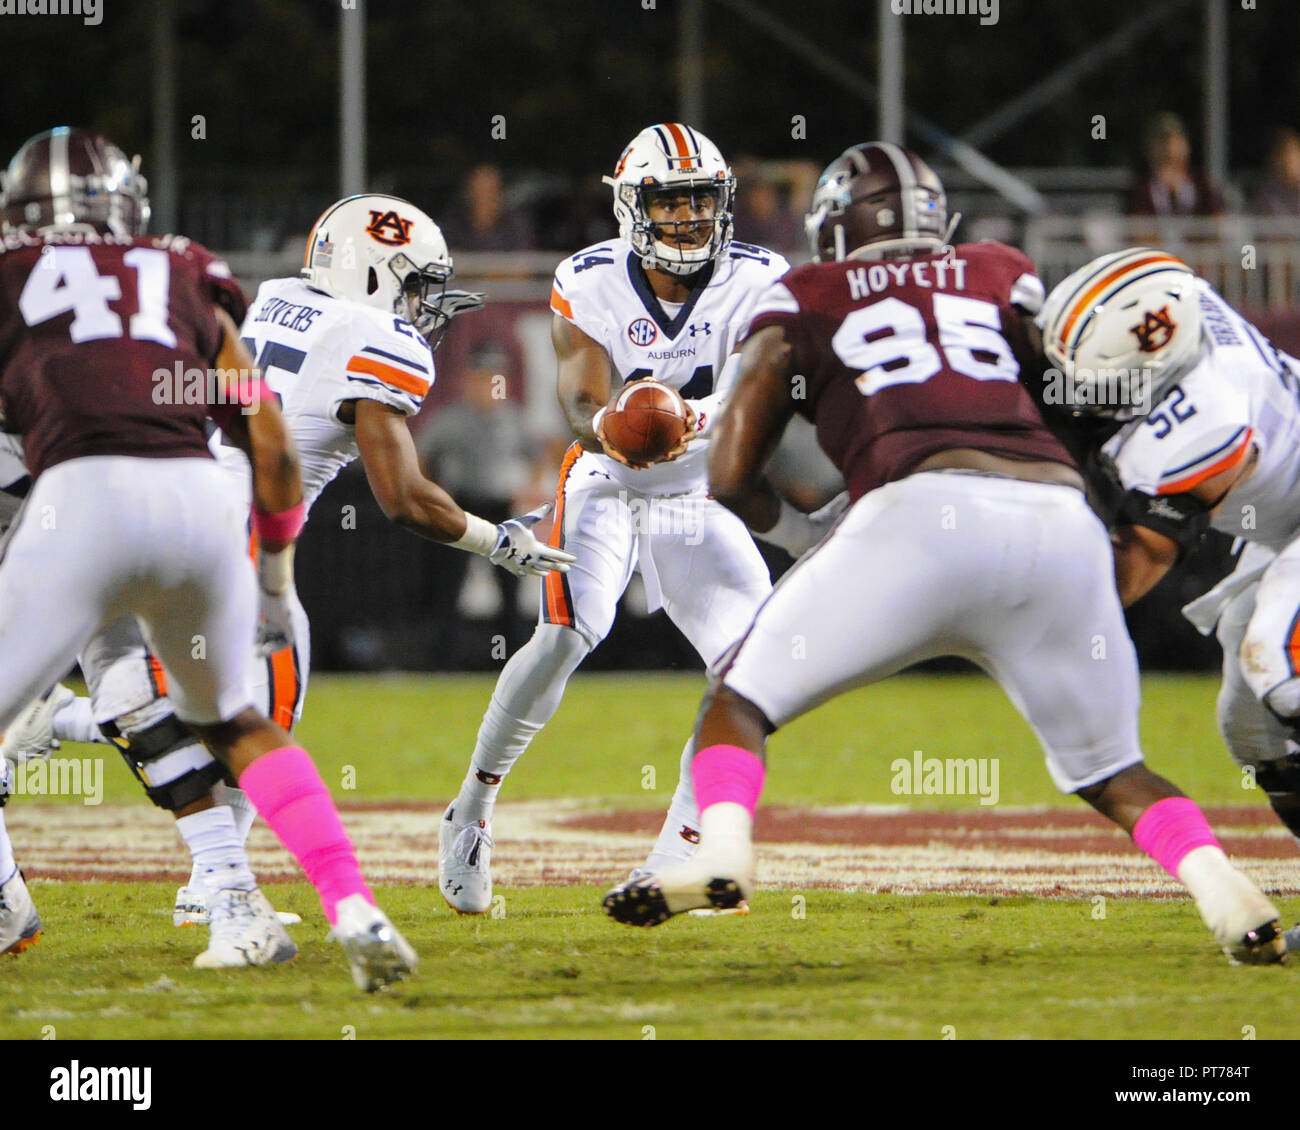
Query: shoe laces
[(468, 842)]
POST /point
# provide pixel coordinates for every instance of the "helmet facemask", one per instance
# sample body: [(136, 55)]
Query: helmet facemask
[(420, 294), (704, 233)]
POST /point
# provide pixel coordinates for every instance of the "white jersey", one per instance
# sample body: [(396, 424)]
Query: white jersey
[(1242, 393), (605, 293), (316, 352)]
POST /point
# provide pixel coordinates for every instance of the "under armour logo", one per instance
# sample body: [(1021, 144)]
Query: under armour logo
[(602, 474), (701, 329), (1155, 330)]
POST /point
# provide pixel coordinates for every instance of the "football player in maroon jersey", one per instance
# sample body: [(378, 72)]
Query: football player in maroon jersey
[(968, 535), (129, 514)]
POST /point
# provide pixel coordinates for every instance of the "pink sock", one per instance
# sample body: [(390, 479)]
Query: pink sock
[(1171, 828), (727, 773), (288, 793)]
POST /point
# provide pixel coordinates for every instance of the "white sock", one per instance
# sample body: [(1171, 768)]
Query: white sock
[(527, 695), (242, 808), (7, 863), (219, 859), (75, 722), (681, 830), (727, 842)]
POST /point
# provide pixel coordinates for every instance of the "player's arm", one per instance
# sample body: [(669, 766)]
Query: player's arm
[(393, 468), (261, 434), (751, 426), (422, 506), (584, 382), (1143, 555)]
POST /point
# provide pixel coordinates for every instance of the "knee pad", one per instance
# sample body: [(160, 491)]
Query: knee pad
[(167, 759)]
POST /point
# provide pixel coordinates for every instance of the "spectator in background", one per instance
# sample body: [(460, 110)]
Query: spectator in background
[(1171, 187), (1279, 193), (770, 200), (482, 221), (479, 446)]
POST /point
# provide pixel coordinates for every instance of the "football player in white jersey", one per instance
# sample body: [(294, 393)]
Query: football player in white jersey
[(668, 300), (348, 350), (1208, 437)]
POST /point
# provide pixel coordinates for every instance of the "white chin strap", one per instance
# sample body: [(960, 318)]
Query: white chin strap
[(674, 260)]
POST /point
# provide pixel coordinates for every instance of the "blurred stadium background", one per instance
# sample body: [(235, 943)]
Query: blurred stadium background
[(1064, 127)]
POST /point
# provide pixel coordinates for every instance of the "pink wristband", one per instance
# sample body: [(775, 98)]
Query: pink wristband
[(279, 528), (247, 395)]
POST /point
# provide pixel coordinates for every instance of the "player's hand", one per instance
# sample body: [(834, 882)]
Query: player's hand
[(829, 514), (274, 622), (610, 450), (689, 436), (519, 552)]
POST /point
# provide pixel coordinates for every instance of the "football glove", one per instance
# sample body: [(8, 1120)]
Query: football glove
[(519, 552), (796, 532), (274, 622)]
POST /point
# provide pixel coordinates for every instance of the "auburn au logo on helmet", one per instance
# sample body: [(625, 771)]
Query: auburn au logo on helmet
[(397, 228), (1154, 331)]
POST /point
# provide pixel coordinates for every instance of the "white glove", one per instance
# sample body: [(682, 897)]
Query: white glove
[(275, 595), (518, 551), (274, 622), (796, 532)]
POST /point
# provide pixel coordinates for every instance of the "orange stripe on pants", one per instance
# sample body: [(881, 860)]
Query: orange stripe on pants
[(556, 607), (284, 687)]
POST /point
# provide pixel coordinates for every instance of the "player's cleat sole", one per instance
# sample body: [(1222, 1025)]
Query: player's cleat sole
[(245, 931), (1264, 945), (378, 955), (741, 908), (653, 900), (191, 909), (465, 864), (20, 925)]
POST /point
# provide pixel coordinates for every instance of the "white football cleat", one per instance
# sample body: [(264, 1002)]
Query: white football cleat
[(1247, 926), (20, 925), (465, 864), (697, 884), (32, 734), (191, 909), (378, 954), (742, 907), (245, 931)]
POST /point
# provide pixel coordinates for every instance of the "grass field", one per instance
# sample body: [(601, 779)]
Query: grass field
[(809, 962)]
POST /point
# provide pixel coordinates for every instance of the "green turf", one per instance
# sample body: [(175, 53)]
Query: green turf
[(854, 965), (411, 736), (111, 966)]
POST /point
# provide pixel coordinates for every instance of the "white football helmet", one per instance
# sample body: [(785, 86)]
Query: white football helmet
[(1134, 310), (384, 252), (672, 157)]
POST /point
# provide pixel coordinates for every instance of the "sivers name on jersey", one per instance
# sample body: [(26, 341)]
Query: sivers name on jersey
[(291, 315)]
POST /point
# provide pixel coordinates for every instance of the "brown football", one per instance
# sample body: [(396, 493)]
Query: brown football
[(646, 421)]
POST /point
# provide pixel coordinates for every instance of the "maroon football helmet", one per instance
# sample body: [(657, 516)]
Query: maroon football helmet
[(73, 176), (876, 200)]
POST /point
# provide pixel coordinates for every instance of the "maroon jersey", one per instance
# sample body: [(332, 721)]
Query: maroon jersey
[(92, 329), (905, 358)]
